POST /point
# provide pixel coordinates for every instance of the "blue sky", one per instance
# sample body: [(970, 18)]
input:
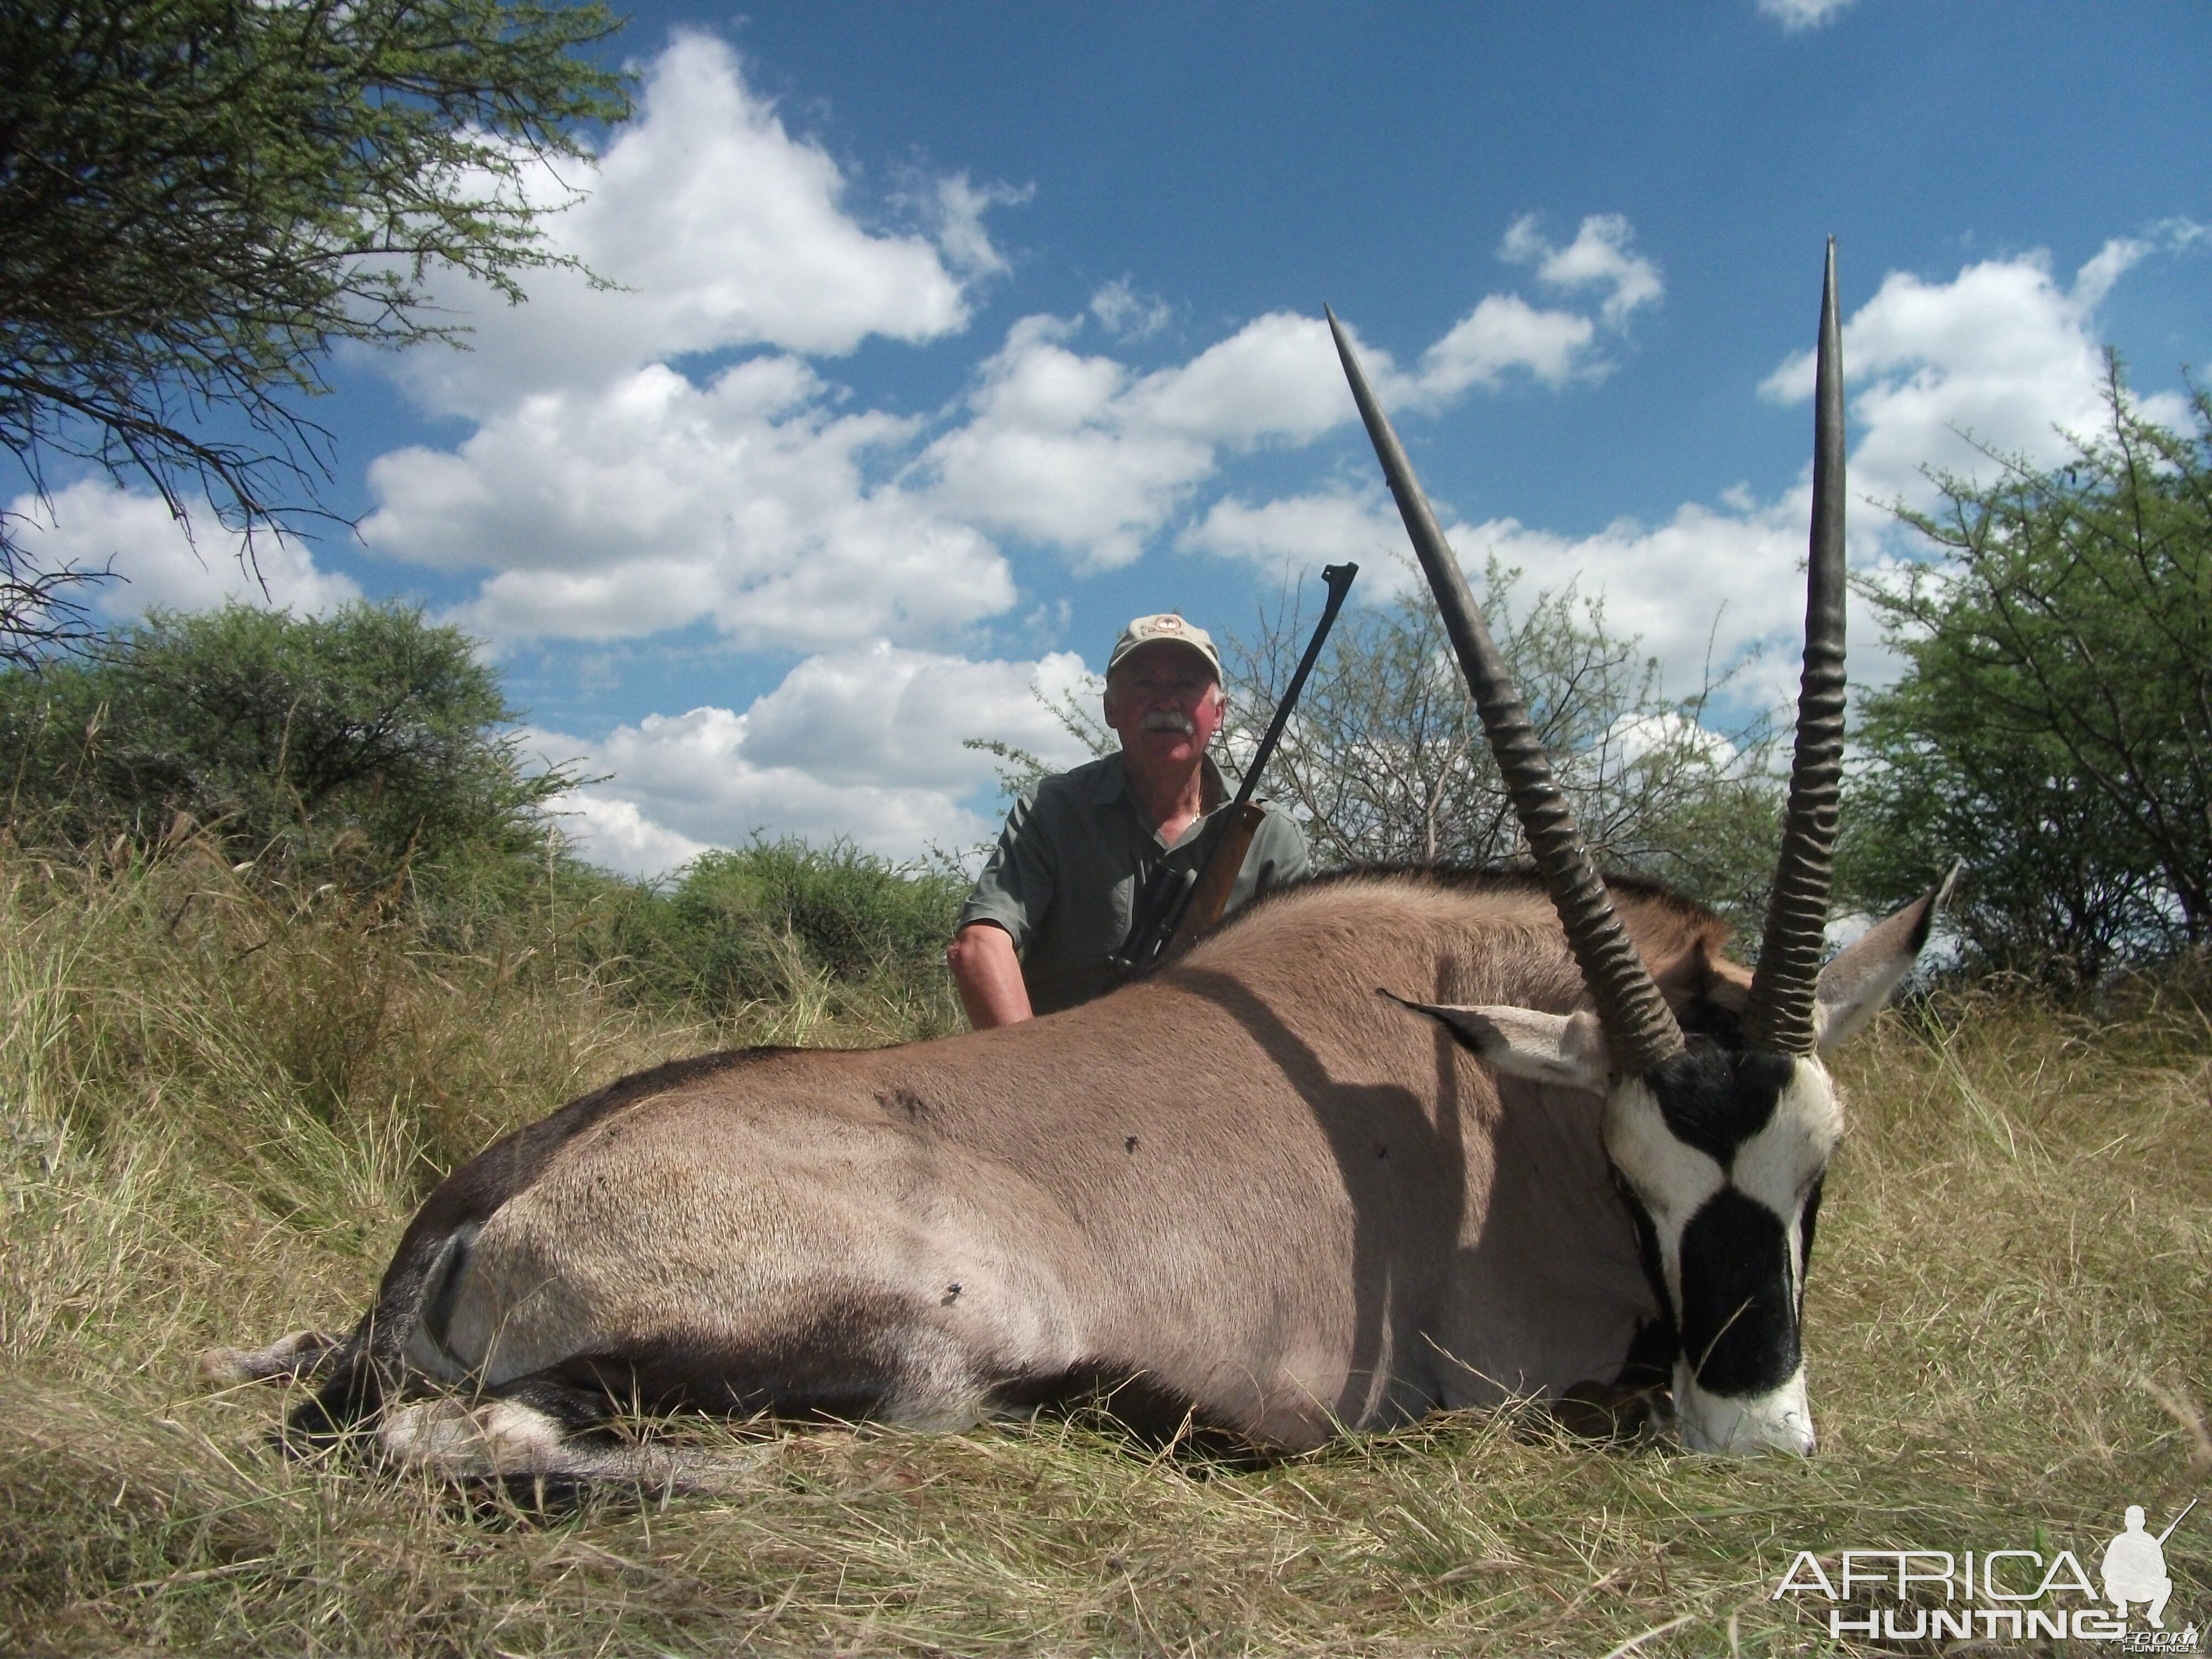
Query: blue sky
[(953, 336)]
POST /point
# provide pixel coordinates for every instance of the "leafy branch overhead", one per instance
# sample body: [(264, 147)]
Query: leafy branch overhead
[(198, 199)]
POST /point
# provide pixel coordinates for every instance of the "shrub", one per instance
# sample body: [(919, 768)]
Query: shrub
[(2053, 727), (353, 746), (765, 922)]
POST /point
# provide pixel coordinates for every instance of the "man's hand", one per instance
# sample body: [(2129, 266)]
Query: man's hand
[(988, 975)]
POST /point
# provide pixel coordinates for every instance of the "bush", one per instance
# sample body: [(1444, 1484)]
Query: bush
[(351, 747), (2053, 727), (769, 921), (1386, 761), (367, 751)]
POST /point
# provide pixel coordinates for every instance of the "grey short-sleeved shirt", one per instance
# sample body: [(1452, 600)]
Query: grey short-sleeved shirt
[(1076, 852)]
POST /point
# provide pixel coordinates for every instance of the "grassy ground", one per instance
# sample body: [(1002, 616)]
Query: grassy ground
[(218, 1112)]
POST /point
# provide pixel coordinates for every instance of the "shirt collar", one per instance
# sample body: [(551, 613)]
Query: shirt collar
[(1113, 783)]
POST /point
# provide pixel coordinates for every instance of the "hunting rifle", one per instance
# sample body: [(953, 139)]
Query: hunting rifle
[(1177, 905)]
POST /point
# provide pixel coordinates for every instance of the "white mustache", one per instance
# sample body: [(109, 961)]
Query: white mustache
[(1168, 720)]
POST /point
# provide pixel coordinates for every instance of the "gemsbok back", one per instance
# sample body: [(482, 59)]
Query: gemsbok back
[(1569, 1138)]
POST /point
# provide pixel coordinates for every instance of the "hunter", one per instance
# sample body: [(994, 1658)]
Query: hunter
[(1059, 896)]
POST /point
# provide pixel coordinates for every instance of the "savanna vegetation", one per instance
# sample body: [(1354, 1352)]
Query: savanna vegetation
[(2053, 728), (1386, 761), (286, 931), (253, 1003), (367, 758), (222, 1099)]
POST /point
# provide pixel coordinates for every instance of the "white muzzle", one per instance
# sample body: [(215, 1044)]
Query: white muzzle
[(1740, 1427)]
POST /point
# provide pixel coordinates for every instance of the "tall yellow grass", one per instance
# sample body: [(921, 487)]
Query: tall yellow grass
[(217, 1108)]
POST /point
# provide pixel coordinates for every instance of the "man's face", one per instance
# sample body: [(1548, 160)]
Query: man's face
[(1164, 703)]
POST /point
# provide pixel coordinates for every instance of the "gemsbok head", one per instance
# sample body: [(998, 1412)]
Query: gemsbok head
[(1719, 1146)]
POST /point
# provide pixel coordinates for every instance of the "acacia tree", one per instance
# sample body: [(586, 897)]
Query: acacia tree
[(199, 197), (1385, 759), (358, 745), (2053, 727)]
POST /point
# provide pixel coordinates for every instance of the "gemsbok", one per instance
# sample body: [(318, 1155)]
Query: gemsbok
[(1249, 1192)]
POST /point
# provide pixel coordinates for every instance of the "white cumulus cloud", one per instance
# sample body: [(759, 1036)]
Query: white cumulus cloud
[(717, 229), (605, 494), (93, 525), (1599, 257), (1127, 314), (2002, 358), (608, 491), (865, 744), (1702, 591), (1079, 452), (1300, 534), (1502, 333), (613, 486), (650, 503), (955, 206), (1798, 15)]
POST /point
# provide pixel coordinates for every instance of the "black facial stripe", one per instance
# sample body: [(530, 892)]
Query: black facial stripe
[(1714, 1099), (1738, 1316), (1810, 1214), (1654, 1271)]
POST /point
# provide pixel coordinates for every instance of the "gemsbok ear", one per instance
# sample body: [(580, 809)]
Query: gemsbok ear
[(1854, 985), (1566, 1051)]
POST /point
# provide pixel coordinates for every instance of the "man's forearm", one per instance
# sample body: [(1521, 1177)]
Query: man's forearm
[(988, 975)]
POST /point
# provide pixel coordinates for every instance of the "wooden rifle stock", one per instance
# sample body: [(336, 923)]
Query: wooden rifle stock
[(1226, 861)]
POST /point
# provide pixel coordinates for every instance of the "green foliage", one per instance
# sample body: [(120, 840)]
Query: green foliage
[(2053, 728), (779, 920), (199, 197), (369, 749), (353, 746)]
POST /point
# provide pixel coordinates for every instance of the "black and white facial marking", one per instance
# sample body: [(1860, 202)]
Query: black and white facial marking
[(1724, 1153), (1719, 1152)]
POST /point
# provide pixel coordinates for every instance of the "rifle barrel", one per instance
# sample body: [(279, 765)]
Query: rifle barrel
[(1338, 578), (2176, 1522)]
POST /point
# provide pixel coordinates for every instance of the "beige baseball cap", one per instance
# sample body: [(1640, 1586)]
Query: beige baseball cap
[(1170, 627)]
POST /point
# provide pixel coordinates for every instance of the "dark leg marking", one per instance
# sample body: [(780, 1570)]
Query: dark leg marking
[(1155, 1416)]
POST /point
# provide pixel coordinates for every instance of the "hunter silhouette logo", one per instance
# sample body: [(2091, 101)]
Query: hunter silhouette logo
[(1915, 1595), (2135, 1566)]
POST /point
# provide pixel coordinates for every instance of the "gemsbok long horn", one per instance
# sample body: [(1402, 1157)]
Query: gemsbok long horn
[(1782, 995), (1640, 1030)]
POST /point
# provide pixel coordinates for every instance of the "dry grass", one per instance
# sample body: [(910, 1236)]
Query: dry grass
[(218, 1113)]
